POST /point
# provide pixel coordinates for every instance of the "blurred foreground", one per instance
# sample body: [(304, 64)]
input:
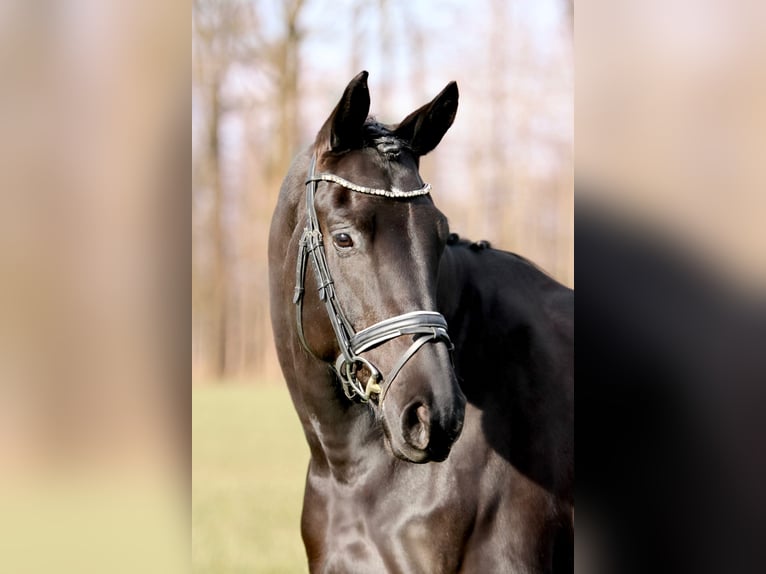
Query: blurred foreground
[(94, 180), (671, 275)]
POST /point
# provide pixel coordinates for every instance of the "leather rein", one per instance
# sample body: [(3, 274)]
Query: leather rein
[(424, 326)]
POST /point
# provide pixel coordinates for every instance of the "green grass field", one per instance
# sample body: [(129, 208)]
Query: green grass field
[(248, 471)]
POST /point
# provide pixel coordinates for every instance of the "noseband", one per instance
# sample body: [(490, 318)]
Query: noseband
[(424, 326)]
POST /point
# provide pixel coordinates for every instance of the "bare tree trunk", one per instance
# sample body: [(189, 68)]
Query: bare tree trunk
[(287, 96), (386, 71), (287, 106), (357, 37), (220, 272), (496, 196), (419, 69)]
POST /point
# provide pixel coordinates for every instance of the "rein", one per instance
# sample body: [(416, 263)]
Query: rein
[(424, 326)]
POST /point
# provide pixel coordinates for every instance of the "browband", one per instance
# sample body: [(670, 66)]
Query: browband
[(393, 192)]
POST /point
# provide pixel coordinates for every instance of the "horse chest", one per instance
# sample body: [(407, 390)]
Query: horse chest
[(347, 546), (386, 534)]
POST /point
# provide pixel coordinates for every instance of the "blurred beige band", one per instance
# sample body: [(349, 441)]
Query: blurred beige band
[(671, 122), (94, 112)]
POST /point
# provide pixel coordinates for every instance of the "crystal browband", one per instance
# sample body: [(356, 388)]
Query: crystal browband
[(393, 192)]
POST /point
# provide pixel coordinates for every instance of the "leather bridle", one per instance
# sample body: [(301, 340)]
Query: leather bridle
[(424, 326)]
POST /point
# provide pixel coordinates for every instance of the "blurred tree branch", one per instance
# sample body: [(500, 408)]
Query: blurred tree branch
[(231, 45), (504, 174)]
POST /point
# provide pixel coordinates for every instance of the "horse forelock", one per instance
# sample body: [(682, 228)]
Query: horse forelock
[(381, 137), (374, 135)]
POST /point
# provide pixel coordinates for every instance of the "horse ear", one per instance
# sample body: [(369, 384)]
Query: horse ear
[(343, 129), (425, 127)]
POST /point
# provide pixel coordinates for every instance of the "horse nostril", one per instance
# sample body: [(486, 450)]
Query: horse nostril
[(416, 425)]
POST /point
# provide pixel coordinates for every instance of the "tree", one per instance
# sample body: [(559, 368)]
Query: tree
[(224, 33)]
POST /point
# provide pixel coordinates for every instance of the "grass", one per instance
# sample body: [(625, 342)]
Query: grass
[(248, 471)]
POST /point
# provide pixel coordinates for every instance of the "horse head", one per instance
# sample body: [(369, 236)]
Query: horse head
[(369, 244)]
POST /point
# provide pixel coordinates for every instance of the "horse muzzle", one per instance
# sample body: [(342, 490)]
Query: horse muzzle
[(431, 420)]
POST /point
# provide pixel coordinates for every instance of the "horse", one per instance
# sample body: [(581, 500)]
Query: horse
[(432, 376)]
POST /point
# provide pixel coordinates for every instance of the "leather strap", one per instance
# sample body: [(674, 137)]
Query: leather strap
[(426, 326)]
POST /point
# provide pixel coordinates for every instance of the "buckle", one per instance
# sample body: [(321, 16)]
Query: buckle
[(352, 386)]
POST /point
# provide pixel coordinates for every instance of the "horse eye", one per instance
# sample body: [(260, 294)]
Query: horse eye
[(343, 240)]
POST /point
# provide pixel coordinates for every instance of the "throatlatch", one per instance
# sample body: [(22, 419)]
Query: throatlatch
[(424, 326)]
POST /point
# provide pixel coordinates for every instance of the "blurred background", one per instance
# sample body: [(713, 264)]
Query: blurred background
[(265, 76)]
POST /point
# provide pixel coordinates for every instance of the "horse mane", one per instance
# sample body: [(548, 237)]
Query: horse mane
[(456, 241)]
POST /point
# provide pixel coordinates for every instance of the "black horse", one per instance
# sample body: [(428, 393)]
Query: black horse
[(486, 406)]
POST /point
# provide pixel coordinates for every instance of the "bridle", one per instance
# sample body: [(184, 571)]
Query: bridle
[(424, 326)]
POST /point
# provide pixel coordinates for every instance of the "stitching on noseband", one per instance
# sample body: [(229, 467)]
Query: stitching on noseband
[(424, 326)]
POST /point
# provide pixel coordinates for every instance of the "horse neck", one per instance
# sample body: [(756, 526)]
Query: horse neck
[(465, 282), (341, 434), (489, 310)]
